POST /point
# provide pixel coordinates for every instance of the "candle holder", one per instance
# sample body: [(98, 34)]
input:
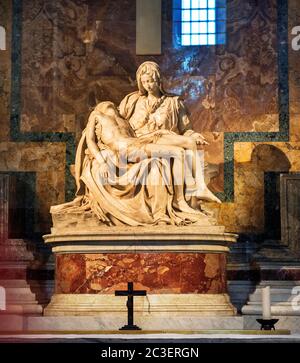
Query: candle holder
[(267, 324)]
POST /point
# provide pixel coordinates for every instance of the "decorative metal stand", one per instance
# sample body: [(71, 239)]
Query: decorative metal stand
[(130, 292), (267, 324)]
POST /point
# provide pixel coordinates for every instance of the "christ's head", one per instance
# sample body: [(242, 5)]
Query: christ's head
[(107, 108)]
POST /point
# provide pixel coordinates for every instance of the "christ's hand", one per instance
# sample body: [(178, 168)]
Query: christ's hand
[(103, 170), (200, 140)]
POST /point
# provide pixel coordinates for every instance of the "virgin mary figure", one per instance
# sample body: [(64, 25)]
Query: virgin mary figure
[(152, 108)]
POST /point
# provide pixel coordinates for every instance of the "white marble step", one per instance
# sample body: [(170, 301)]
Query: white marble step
[(14, 283), (274, 298), (278, 309), (22, 308), (20, 294), (97, 323)]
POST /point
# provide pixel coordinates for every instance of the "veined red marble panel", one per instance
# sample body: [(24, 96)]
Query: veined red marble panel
[(155, 272)]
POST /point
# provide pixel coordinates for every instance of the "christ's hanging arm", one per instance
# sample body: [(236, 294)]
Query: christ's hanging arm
[(92, 145)]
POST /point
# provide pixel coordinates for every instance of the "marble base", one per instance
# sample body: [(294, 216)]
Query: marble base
[(15, 257), (84, 324), (104, 324), (12, 322), (183, 270), (19, 298), (163, 306)]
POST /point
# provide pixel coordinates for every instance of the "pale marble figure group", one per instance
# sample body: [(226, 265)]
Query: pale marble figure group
[(138, 164)]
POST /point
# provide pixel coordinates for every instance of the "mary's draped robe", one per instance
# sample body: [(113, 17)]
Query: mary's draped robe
[(170, 115)]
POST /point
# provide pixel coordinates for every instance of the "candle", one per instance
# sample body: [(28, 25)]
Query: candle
[(266, 303)]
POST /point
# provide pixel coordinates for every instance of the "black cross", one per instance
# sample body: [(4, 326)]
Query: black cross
[(130, 293)]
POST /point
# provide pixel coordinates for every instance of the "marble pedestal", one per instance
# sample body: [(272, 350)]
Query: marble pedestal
[(183, 270), (14, 261), (16, 254), (279, 268)]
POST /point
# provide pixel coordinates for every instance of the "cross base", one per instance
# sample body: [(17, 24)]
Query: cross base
[(130, 327)]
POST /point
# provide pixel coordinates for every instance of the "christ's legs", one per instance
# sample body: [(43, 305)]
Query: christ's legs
[(198, 189), (181, 141), (177, 154), (170, 152)]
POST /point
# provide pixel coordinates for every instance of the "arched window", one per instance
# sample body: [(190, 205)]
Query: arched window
[(199, 22)]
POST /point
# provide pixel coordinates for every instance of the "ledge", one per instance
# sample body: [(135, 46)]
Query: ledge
[(211, 239)]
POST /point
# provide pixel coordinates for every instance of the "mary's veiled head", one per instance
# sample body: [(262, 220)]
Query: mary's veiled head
[(152, 69)]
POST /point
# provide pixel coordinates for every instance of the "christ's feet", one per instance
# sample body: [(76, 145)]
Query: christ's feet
[(184, 207), (204, 194)]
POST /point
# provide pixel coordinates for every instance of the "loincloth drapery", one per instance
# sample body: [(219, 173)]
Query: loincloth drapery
[(145, 140), (135, 149)]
